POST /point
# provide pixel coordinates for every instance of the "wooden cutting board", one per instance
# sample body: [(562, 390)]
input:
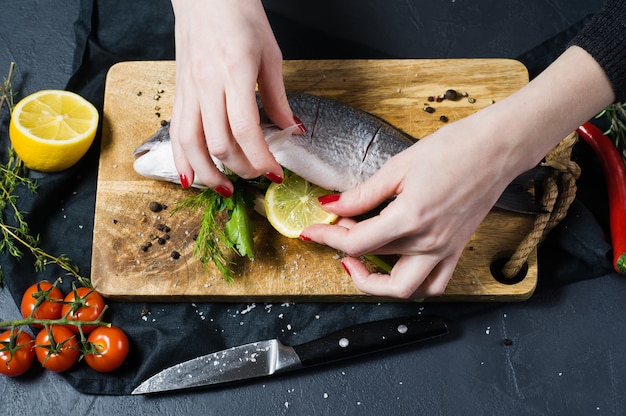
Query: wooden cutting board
[(139, 95)]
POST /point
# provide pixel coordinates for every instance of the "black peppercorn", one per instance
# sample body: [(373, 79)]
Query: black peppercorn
[(155, 206), (162, 227), (451, 95)]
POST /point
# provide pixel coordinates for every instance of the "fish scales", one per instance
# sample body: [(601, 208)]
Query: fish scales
[(343, 146)]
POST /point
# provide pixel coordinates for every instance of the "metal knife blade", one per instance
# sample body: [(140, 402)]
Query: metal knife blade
[(264, 358)]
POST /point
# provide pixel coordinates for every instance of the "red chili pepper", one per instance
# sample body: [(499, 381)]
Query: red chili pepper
[(615, 174)]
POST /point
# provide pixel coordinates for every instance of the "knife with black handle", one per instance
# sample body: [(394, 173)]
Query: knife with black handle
[(369, 337), (264, 358)]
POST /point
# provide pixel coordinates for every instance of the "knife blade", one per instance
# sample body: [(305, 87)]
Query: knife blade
[(264, 358)]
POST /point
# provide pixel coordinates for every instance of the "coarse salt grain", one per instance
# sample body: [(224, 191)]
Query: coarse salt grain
[(248, 308)]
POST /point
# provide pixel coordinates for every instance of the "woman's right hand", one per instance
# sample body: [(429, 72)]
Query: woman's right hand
[(443, 186)]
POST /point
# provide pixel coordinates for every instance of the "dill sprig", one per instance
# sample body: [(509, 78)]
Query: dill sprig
[(16, 238), (210, 235), (225, 227)]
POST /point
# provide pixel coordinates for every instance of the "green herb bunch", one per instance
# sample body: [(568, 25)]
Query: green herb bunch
[(225, 224), (17, 237)]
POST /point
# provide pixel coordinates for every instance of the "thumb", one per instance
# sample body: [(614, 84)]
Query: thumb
[(363, 198)]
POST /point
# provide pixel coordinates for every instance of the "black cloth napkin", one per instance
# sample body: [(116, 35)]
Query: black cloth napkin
[(163, 334)]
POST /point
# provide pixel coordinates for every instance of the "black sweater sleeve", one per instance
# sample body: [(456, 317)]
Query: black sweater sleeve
[(604, 38)]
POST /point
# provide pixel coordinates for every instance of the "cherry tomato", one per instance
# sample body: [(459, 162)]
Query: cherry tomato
[(15, 357), (59, 353), (87, 305), (34, 305), (110, 345)]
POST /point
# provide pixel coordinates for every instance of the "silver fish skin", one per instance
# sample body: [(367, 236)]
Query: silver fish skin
[(154, 158), (343, 146)]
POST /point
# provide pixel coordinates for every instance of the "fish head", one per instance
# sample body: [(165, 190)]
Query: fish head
[(154, 158), (162, 136)]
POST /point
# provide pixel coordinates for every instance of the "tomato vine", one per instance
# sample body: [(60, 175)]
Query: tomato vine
[(65, 332)]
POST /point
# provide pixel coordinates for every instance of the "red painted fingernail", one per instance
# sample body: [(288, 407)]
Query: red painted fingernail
[(274, 177), (223, 190), (346, 268), (303, 237), (300, 124), (327, 199), (184, 182)]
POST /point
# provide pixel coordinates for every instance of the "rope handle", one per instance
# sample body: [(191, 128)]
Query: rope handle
[(559, 191)]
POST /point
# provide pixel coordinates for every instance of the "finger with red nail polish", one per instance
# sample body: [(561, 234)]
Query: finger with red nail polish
[(327, 199), (303, 237), (345, 267), (184, 181), (274, 177), (300, 124), (223, 191)]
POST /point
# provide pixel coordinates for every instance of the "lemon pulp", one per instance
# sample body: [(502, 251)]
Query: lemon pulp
[(293, 205), (51, 130)]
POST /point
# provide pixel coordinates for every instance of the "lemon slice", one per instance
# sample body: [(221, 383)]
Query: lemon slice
[(292, 205), (52, 129)]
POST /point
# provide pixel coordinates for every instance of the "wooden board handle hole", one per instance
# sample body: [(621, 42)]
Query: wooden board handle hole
[(497, 265)]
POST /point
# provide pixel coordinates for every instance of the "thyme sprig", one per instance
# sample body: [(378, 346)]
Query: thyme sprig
[(17, 238)]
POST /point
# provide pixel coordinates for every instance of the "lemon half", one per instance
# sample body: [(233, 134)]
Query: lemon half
[(51, 130), (292, 205)]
